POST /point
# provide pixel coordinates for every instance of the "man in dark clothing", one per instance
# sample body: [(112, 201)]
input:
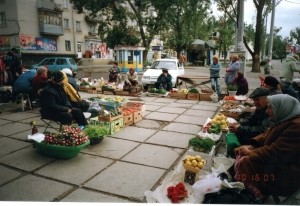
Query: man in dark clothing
[(55, 104), (164, 81), (257, 122)]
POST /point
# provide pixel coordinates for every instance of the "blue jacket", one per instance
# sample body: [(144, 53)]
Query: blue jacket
[(232, 69), (24, 81), (215, 70)]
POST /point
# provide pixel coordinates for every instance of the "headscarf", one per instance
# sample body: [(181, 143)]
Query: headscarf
[(284, 107), (71, 92)]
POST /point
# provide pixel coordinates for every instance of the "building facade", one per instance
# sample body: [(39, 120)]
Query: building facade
[(43, 28)]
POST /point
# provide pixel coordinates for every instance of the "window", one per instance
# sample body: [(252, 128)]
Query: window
[(66, 4), (2, 19), (61, 62), (68, 45), (66, 24), (93, 28), (78, 26)]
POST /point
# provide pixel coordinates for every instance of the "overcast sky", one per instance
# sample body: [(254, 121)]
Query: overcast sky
[(287, 15)]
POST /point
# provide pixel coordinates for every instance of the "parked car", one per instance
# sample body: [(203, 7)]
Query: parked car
[(151, 74), (58, 63)]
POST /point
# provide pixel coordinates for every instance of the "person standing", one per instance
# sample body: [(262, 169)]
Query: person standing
[(289, 67), (215, 69), (15, 67), (182, 59), (231, 70)]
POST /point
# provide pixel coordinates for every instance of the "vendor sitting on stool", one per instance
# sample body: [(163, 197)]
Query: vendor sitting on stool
[(164, 81), (131, 80)]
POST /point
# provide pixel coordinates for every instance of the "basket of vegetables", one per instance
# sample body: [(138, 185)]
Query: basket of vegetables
[(96, 133), (64, 145), (201, 145)]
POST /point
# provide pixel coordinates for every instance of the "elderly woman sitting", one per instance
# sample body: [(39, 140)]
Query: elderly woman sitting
[(270, 165)]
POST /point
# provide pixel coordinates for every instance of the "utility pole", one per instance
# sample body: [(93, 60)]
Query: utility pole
[(271, 34)]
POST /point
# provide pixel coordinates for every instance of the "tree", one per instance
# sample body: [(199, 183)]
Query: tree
[(295, 35), (146, 18)]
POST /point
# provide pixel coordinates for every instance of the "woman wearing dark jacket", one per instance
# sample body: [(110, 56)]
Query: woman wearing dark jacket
[(242, 83), (55, 104), (270, 165)]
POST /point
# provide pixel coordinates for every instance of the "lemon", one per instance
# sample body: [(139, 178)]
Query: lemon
[(188, 163), (194, 163)]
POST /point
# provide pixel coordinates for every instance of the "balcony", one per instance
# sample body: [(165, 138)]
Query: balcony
[(46, 5), (50, 29)]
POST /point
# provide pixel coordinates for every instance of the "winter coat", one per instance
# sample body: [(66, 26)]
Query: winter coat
[(253, 125), (289, 67), (24, 81), (274, 166), (215, 70), (53, 100), (231, 70), (243, 87)]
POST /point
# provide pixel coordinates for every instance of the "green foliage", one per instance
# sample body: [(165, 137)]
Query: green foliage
[(205, 144), (295, 35), (95, 131), (232, 87)]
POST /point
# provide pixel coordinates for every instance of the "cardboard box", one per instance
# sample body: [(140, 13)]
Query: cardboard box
[(121, 92), (92, 91), (205, 96), (137, 116), (193, 96), (116, 125), (128, 120), (108, 118), (178, 95)]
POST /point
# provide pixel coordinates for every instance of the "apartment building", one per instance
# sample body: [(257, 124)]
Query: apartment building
[(43, 28)]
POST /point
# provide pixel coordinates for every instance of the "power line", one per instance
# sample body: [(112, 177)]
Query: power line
[(292, 2)]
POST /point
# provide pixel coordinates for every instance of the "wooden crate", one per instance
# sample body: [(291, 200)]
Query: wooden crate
[(116, 125), (108, 92), (92, 91), (178, 95), (193, 96), (122, 93), (128, 120), (137, 116), (108, 118), (205, 96)]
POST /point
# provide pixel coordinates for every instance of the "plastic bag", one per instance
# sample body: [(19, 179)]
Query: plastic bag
[(214, 97)]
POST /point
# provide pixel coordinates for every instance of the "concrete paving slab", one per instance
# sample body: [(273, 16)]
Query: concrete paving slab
[(183, 128), (23, 135), (32, 188), (153, 155), (146, 113), (13, 128), (84, 195), (180, 105), (63, 170), (126, 179), (111, 148), (147, 99), (208, 103), (150, 107), (3, 121), (150, 124), (134, 133), (155, 103), (37, 120), (161, 116), (27, 159), (174, 110), (18, 116), (164, 100), (7, 174), (9, 145), (172, 139), (191, 119), (186, 101), (199, 113), (206, 107)]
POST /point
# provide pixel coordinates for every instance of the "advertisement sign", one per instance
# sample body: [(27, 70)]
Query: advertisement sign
[(27, 42), (46, 44)]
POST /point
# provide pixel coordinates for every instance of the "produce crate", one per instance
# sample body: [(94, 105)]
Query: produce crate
[(137, 116), (92, 91), (83, 88), (233, 115), (121, 92), (205, 96), (116, 125), (193, 96), (108, 118), (128, 120), (108, 92), (61, 152), (178, 95)]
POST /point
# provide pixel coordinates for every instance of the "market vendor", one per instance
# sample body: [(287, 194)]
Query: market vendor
[(164, 81), (131, 79), (114, 73), (252, 125)]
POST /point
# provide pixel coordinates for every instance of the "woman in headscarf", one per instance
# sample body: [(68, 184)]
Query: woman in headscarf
[(270, 165), (73, 95)]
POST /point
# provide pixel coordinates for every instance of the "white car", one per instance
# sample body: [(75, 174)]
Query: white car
[(151, 74)]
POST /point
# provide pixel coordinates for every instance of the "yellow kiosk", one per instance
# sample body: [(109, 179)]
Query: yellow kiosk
[(130, 57)]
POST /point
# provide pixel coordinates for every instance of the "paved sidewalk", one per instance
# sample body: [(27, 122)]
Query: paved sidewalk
[(118, 170)]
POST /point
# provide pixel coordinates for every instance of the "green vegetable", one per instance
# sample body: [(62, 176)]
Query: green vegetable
[(193, 90), (215, 128), (162, 91), (152, 90), (95, 131), (205, 144)]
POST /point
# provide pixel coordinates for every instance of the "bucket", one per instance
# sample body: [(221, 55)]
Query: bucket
[(227, 162), (214, 98)]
